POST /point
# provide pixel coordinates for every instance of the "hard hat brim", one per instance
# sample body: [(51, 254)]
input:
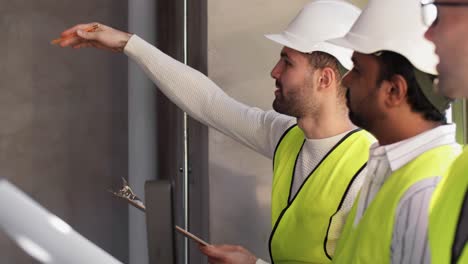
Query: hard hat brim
[(368, 46), (343, 55)]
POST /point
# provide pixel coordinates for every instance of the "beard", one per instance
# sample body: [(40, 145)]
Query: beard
[(287, 105), (356, 118)]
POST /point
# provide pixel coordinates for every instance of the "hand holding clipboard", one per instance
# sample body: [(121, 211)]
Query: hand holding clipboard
[(127, 194)]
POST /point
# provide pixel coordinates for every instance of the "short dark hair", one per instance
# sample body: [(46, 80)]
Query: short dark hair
[(391, 64)]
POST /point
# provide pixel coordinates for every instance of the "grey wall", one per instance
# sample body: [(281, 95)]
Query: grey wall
[(142, 128), (240, 60), (63, 119)]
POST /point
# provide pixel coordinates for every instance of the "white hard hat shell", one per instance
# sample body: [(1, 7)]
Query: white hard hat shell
[(393, 25), (317, 22)]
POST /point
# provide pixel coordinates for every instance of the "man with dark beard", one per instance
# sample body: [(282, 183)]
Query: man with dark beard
[(390, 94), (318, 154)]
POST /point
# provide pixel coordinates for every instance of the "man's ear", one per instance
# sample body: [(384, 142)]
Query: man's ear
[(396, 91), (327, 77)]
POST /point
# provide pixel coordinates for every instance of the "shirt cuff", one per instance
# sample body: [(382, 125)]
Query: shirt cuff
[(261, 261), (134, 44)]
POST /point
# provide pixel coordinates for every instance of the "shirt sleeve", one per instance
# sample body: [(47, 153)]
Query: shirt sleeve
[(203, 100), (410, 243), (261, 261)]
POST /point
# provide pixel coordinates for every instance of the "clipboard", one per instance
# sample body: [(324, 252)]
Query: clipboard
[(127, 194), (191, 236)]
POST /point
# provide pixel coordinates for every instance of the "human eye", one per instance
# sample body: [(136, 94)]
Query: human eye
[(287, 62)]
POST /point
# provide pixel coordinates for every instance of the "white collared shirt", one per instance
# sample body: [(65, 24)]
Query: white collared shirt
[(409, 241)]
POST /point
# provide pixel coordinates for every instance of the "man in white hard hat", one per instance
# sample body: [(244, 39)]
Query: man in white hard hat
[(390, 94), (448, 222), (318, 153)]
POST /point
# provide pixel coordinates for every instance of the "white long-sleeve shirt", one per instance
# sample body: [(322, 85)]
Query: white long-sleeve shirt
[(203, 100)]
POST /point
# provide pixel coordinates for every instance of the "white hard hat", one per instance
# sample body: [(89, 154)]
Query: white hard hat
[(392, 25), (318, 21)]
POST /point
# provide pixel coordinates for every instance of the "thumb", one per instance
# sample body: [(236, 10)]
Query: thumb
[(86, 35)]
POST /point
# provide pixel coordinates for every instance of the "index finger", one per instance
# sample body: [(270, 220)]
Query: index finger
[(71, 41), (73, 29), (225, 247)]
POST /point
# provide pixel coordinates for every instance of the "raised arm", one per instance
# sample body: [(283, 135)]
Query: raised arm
[(189, 89)]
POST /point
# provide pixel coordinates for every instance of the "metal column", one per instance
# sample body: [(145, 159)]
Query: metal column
[(142, 127)]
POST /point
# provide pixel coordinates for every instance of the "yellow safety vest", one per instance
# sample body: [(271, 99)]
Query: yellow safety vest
[(370, 241), (446, 206), (305, 229)]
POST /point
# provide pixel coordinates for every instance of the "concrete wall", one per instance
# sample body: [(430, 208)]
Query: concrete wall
[(63, 119), (240, 60)]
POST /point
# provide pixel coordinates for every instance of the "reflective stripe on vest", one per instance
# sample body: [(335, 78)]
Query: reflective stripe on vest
[(370, 240), (300, 233), (446, 212)]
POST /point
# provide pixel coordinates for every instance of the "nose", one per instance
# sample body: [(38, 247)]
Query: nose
[(429, 34), (276, 71)]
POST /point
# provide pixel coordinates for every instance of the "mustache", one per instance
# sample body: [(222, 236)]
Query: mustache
[(278, 84)]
